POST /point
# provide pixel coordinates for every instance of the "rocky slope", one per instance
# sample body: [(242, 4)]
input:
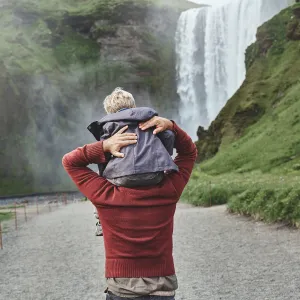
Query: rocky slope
[(258, 129), (58, 60)]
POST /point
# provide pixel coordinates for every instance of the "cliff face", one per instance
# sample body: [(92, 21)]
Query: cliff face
[(58, 60), (257, 129)]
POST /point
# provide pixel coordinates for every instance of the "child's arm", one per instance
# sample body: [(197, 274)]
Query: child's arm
[(107, 131), (94, 187)]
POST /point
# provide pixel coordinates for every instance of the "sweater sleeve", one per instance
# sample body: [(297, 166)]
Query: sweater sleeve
[(185, 159), (93, 186)]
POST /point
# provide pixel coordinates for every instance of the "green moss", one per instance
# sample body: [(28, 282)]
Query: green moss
[(40, 33), (157, 73), (76, 49), (24, 47), (104, 30)]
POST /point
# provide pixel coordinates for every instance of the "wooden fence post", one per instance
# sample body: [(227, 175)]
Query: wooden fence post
[(16, 218), (37, 206), (210, 200), (25, 214), (1, 242)]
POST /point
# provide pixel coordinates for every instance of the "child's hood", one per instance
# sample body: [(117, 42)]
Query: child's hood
[(130, 114)]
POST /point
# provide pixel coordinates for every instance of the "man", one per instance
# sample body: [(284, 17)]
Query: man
[(137, 222)]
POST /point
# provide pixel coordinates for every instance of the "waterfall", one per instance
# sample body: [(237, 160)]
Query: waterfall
[(210, 47), (190, 67)]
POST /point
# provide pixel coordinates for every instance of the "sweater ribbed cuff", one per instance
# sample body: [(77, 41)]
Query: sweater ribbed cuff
[(95, 153), (139, 267), (174, 127)]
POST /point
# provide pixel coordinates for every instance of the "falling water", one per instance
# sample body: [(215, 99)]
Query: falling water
[(190, 67), (210, 47)]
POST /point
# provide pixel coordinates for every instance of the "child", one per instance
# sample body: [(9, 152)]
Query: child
[(144, 163)]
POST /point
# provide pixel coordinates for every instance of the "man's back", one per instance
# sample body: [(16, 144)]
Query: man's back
[(137, 223), (135, 248)]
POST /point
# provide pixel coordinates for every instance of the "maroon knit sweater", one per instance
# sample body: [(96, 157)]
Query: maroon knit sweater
[(137, 223)]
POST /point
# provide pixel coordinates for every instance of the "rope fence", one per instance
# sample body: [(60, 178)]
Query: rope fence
[(19, 213)]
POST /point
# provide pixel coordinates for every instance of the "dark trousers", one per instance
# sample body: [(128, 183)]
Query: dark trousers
[(110, 296)]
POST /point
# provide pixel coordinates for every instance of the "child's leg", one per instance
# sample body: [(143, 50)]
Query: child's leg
[(99, 231), (96, 213)]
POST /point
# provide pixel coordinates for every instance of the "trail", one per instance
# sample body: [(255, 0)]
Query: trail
[(217, 256)]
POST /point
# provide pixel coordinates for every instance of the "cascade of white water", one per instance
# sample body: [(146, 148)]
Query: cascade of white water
[(189, 65), (210, 47)]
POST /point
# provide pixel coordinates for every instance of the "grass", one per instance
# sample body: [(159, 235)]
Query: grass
[(267, 197), (11, 207), (4, 216)]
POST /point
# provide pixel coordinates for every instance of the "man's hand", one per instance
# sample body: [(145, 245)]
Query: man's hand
[(160, 124), (118, 141)]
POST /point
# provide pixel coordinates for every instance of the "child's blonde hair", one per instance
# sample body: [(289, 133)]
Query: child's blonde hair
[(117, 100)]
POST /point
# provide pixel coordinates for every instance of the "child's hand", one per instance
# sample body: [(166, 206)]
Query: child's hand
[(160, 124), (115, 143)]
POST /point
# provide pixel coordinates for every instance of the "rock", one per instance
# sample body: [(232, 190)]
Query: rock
[(201, 133), (293, 27)]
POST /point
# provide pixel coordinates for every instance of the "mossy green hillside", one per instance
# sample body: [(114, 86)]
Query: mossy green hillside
[(251, 153), (258, 128)]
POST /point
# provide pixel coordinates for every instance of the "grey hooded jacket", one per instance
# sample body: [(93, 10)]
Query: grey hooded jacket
[(152, 153)]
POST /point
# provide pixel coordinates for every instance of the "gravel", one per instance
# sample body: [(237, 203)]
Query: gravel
[(217, 256)]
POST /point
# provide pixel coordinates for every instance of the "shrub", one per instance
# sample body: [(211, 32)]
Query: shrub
[(296, 167), (269, 205), (267, 197)]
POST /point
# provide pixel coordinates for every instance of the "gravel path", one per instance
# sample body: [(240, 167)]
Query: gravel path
[(217, 256)]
